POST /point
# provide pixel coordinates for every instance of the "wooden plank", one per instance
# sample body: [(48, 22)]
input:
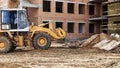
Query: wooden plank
[(90, 40), (107, 45), (101, 43), (113, 44)]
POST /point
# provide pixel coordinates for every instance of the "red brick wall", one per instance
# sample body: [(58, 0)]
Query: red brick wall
[(64, 17)]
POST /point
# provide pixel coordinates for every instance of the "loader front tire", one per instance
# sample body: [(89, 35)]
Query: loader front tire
[(41, 41), (5, 45)]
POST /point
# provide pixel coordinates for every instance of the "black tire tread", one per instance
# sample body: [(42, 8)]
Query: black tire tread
[(8, 47), (36, 46)]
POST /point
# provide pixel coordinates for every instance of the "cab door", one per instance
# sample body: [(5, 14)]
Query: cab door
[(5, 20), (22, 19)]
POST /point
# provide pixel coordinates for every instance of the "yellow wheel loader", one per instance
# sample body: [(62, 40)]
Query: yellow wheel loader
[(16, 31)]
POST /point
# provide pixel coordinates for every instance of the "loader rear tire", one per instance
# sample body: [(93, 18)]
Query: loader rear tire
[(41, 41), (5, 45)]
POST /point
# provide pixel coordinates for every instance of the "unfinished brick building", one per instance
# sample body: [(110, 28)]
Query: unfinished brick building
[(77, 17), (109, 16), (100, 16)]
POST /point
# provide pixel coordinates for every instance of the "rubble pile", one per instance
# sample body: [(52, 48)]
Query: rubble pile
[(102, 41), (91, 41)]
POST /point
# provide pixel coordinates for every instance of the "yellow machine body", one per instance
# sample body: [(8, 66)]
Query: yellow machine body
[(21, 40), (26, 35)]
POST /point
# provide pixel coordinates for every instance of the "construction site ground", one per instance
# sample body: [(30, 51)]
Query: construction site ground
[(60, 57)]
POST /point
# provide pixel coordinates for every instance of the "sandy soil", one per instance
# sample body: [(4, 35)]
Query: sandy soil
[(60, 57)]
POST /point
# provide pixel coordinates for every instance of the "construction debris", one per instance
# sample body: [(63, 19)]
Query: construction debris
[(105, 36), (93, 40), (73, 44), (102, 41), (111, 45)]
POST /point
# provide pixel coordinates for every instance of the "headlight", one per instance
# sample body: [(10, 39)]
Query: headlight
[(5, 26)]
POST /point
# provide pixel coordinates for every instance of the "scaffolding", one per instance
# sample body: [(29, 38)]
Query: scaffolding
[(113, 16), (102, 19), (104, 25)]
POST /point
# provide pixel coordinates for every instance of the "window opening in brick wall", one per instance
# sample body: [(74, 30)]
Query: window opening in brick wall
[(81, 8), (46, 6), (59, 7), (70, 27), (70, 7), (46, 22), (59, 24), (116, 22), (91, 9), (91, 28), (81, 27), (105, 9)]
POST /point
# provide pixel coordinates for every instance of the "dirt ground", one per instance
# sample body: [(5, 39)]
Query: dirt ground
[(60, 57)]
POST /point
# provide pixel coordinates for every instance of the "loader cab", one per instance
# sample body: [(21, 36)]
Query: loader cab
[(14, 20)]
